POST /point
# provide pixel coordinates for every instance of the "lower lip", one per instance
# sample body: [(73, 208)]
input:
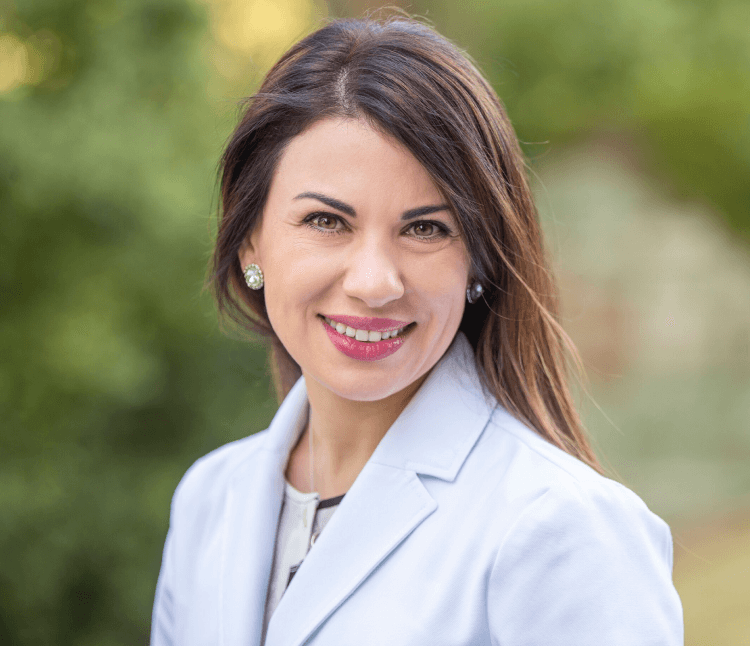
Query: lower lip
[(362, 350)]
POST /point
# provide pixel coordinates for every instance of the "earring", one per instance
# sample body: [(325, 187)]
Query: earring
[(253, 276), (474, 292)]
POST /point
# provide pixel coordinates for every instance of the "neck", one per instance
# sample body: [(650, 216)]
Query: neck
[(345, 434)]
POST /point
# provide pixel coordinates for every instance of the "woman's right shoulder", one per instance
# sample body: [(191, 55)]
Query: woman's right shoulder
[(209, 475)]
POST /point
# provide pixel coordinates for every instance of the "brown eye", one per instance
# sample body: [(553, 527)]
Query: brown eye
[(429, 231), (424, 229), (325, 222)]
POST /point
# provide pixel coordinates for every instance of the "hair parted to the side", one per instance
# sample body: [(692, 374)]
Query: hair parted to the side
[(412, 84)]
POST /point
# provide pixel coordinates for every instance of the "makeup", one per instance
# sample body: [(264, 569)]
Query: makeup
[(367, 323), (364, 350), (382, 285)]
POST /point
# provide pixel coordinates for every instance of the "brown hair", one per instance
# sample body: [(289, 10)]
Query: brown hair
[(412, 84)]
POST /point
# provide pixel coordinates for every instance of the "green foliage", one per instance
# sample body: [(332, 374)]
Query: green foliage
[(674, 78), (114, 375)]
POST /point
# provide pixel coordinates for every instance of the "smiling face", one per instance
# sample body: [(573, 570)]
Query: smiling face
[(355, 227)]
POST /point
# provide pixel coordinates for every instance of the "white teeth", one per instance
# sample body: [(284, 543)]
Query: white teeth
[(363, 335)]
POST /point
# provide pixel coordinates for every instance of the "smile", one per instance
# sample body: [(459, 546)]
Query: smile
[(365, 344), (368, 336)]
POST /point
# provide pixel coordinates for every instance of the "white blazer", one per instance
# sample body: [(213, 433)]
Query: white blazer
[(464, 528)]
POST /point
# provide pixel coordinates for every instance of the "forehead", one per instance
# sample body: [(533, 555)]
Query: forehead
[(352, 161)]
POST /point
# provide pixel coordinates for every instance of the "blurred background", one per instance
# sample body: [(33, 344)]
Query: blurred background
[(635, 116)]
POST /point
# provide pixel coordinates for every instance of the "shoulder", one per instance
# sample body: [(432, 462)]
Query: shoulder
[(555, 506), (208, 477), (551, 480), (582, 554)]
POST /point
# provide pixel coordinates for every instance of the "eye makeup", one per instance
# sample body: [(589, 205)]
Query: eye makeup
[(442, 230)]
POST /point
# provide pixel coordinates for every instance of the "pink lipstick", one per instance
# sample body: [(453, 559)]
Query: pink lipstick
[(365, 350)]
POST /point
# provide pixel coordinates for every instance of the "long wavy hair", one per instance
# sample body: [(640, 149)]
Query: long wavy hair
[(412, 84)]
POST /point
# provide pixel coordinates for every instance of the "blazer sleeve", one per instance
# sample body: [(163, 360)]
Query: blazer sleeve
[(585, 570), (164, 615), (162, 619)]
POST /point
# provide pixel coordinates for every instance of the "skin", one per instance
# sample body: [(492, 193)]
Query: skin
[(374, 264)]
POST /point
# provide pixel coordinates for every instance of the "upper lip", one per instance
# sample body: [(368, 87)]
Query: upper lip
[(368, 323)]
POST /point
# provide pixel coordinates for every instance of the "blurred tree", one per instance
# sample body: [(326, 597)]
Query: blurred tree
[(672, 77), (114, 376)]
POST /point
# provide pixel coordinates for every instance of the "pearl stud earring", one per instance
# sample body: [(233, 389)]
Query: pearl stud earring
[(474, 292), (253, 276)]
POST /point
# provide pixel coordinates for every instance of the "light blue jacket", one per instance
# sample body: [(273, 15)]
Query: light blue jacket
[(464, 528)]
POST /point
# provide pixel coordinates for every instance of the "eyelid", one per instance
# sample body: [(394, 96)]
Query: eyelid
[(444, 230), (316, 214)]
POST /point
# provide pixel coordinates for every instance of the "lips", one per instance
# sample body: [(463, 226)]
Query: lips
[(367, 323), (363, 350)]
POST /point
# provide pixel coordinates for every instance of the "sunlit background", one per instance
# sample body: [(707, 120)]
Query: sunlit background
[(635, 116)]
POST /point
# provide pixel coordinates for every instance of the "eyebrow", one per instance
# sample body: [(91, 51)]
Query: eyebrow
[(349, 210)]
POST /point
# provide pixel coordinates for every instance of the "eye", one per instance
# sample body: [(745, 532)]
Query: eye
[(429, 230), (324, 221), (424, 229)]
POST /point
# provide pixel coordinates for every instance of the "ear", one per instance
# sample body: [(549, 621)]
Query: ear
[(246, 256), (247, 253)]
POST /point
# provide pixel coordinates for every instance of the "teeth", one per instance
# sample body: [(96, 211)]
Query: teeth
[(369, 336)]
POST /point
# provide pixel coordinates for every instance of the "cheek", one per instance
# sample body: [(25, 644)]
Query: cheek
[(443, 282), (294, 277)]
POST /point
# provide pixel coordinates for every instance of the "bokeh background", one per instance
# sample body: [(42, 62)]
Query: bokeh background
[(635, 116)]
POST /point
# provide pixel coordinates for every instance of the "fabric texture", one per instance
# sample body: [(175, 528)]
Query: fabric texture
[(464, 527), (303, 517)]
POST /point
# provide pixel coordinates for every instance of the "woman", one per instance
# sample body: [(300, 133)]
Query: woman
[(426, 479)]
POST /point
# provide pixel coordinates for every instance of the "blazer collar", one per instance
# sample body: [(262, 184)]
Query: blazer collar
[(387, 502), (251, 514), (434, 433), (439, 426)]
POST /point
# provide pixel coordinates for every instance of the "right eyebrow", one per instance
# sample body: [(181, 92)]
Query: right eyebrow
[(330, 201)]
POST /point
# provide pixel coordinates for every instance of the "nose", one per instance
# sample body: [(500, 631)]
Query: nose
[(373, 276)]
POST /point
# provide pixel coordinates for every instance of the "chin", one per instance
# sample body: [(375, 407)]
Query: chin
[(364, 388), (364, 392)]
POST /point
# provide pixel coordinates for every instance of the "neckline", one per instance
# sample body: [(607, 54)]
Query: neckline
[(309, 496), (331, 502)]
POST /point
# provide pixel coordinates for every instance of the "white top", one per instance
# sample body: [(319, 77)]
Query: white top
[(303, 517), (465, 526)]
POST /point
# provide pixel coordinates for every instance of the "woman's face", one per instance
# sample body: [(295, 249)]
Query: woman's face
[(354, 230)]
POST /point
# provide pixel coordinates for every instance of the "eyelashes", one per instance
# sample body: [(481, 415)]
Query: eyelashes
[(438, 231)]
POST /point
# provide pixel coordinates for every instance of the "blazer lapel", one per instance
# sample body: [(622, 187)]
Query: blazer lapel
[(250, 519), (432, 436), (381, 509)]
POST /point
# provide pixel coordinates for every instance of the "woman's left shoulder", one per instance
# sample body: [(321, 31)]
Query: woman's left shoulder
[(583, 559), (557, 484)]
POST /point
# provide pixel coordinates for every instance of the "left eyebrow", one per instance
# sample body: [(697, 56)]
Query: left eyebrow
[(349, 210)]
